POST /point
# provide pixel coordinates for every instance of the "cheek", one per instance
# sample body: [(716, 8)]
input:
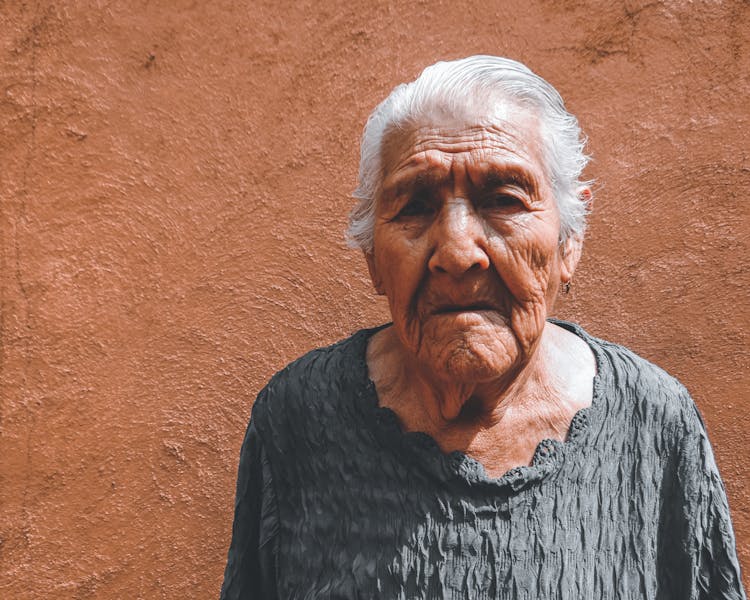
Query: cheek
[(525, 264), (401, 265), (531, 269)]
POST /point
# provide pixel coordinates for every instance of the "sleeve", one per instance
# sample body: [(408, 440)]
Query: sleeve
[(250, 573), (698, 553)]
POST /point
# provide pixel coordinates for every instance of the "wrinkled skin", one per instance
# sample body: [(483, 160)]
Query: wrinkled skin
[(467, 251)]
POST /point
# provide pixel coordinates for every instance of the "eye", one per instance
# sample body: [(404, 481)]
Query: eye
[(501, 201), (419, 205)]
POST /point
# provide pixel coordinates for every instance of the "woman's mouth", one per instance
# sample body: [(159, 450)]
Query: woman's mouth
[(458, 308)]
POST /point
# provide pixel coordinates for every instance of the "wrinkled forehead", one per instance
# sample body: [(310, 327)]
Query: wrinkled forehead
[(490, 132)]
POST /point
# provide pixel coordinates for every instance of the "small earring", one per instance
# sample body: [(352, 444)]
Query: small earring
[(565, 287)]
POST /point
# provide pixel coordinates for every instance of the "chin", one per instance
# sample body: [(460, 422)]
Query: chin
[(470, 356), (465, 366)]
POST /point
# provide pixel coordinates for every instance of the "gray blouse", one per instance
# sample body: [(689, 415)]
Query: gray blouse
[(334, 500)]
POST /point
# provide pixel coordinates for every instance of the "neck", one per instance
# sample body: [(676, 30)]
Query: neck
[(413, 389)]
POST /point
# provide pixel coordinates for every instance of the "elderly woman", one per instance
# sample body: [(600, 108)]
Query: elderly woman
[(475, 448)]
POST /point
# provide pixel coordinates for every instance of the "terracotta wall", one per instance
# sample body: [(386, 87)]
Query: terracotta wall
[(174, 180)]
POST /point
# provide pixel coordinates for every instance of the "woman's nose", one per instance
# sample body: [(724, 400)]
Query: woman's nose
[(459, 243)]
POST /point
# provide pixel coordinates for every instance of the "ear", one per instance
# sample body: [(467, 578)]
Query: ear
[(571, 248), (570, 251), (377, 282), (585, 195)]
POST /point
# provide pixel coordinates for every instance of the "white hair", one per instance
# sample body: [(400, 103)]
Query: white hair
[(454, 88)]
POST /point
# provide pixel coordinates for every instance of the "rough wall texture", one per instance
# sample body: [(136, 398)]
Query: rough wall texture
[(174, 180)]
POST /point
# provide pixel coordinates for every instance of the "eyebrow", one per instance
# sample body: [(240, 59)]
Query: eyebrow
[(425, 178), (493, 175), (508, 174)]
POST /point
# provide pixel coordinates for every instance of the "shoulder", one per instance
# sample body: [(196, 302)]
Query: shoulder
[(314, 385), (639, 390), (623, 369)]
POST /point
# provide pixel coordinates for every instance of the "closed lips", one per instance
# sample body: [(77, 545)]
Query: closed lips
[(449, 308)]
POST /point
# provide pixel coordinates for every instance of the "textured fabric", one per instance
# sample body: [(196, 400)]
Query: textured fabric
[(335, 501)]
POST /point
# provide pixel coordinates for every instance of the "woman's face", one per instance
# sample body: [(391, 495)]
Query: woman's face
[(466, 244)]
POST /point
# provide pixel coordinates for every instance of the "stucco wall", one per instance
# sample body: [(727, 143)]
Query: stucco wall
[(174, 180)]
